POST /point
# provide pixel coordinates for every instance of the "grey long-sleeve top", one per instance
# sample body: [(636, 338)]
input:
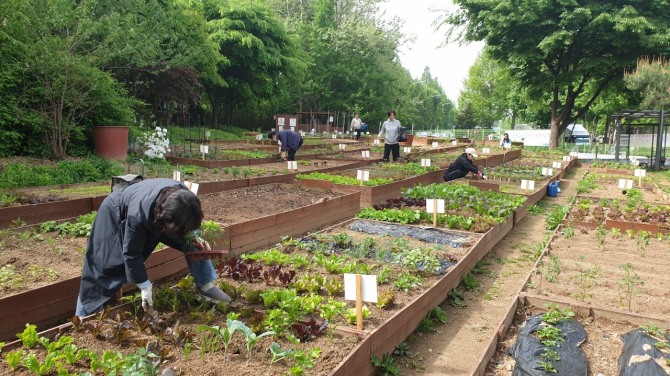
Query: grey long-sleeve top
[(390, 128)]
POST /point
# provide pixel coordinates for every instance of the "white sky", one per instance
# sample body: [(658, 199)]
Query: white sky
[(450, 63)]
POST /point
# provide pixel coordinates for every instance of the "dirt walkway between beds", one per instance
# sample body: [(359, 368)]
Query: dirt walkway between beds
[(478, 306)]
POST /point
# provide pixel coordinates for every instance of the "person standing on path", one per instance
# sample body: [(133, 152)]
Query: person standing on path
[(462, 165), (391, 129), (356, 126), (128, 226), (290, 143)]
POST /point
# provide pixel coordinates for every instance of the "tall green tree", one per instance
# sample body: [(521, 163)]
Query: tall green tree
[(562, 47)]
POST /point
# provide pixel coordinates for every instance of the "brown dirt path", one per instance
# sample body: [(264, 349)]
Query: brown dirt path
[(454, 348)]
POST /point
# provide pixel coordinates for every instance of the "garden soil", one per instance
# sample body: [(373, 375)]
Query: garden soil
[(454, 348)]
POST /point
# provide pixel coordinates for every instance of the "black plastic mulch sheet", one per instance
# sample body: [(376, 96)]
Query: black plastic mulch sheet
[(424, 234), (527, 349), (640, 356)]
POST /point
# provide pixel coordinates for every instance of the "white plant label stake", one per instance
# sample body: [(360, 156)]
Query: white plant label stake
[(406, 149), (425, 162), (566, 158), (376, 141), (528, 184), (435, 144), (625, 184), (342, 146), (640, 173), (176, 175), (486, 150), (193, 187), (363, 175), (292, 165), (454, 143), (365, 154), (435, 206), (334, 136), (557, 165), (360, 288), (204, 149), (547, 171), (259, 137)]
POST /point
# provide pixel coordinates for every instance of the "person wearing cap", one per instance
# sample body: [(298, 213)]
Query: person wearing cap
[(290, 143), (462, 165)]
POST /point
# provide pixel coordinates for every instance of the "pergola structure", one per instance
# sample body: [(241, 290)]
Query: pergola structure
[(659, 134)]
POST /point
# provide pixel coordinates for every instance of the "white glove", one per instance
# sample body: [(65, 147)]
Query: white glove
[(146, 288), (202, 244)]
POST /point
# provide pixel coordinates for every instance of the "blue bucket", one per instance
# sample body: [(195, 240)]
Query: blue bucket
[(552, 189)]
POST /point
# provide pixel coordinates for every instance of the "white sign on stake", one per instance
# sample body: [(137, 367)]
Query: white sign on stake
[(556, 165), (259, 137), (528, 184), (369, 290), (406, 149), (566, 158), (435, 144), (425, 162), (430, 205), (486, 150), (454, 142), (376, 141), (625, 184), (640, 172), (207, 134), (365, 154), (292, 165), (334, 136), (193, 187), (547, 171), (204, 149), (342, 146), (176, 175), (363, 175)]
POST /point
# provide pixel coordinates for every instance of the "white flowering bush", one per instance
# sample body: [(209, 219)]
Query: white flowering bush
[(155, 144)]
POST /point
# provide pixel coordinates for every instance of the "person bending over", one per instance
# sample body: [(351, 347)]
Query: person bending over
[(128, 226), (290, 143), (462, 165)]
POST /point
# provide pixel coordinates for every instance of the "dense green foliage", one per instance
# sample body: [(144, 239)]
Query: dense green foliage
[(16, 175)]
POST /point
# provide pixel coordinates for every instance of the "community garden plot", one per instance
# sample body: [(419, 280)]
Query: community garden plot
[(628, 214), (289, 290), (613, 269), (616, 186), (602, 347)]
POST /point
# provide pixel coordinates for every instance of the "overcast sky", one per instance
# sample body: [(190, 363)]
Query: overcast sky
[(449, 64)]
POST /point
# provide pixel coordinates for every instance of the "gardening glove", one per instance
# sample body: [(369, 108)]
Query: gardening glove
[(479, 174), (202, 244), (147, 295)]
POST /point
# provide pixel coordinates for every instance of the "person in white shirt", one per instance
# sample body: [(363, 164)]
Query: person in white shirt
[(505, 142), (390, 129), (356, 126)]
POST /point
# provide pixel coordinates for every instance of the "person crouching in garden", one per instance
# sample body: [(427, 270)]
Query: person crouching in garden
[(462, 165), (130, 223)]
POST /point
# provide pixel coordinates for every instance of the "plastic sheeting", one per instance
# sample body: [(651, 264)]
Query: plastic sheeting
[(424, 234), (640, 356), (527, 350)]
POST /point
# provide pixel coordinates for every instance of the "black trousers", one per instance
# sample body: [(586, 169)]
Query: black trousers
[(291, 154), (358, 133), (453, 175), (393, 148)]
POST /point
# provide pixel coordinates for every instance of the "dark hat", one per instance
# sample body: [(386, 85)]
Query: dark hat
[(272, 134)]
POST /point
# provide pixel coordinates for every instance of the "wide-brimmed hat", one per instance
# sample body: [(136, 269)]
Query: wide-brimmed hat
[(471, 151)]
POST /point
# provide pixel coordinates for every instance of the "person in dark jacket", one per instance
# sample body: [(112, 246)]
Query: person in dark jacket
[(462, 165), (290, 143), (130, 223)]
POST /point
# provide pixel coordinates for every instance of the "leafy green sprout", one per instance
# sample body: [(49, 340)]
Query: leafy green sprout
[(630, 283)]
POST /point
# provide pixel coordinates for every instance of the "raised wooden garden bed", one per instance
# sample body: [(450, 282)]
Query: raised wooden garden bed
[(58, 302)]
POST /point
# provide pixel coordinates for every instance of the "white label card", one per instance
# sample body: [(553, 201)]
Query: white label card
[(365, 154), (292, 165), (176, 175), (528, 184), (259, 137), (342, 146), (376, 141), (556, 165), (640, 172), (435, 144), (368, 287), (486, 150), (406, 149), (566, 158), (425, 162), (547, 171), (204, 149), (334, 136), (625, 184), (363, 175), (454, 142), (430, 205), (193, 187)]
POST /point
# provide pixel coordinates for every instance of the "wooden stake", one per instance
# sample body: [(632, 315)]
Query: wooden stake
[(434, 212), (359, 301)]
